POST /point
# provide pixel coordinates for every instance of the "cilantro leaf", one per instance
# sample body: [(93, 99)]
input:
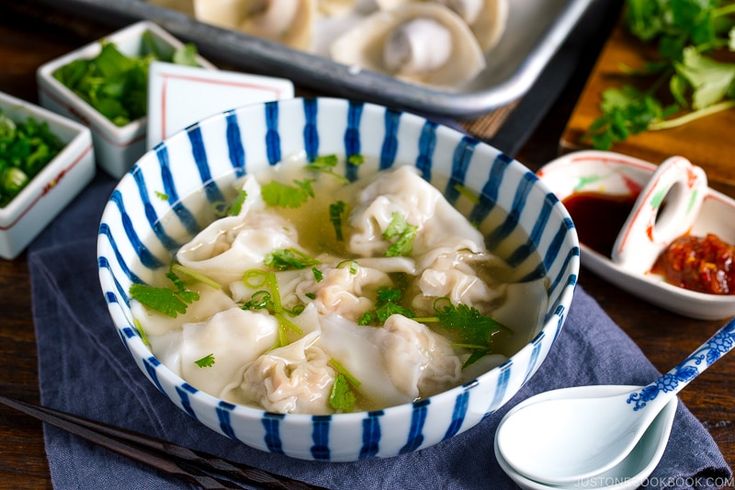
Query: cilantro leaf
[(206, 361), (236, 206), (387, 303), (162, 196), (283, 195), (472, 326), (356, 159), (326, 164), (286, 259), (710, 79), (401, 234), (336, 211), (162, 300), (475, 356), (341, 397), (186, 55), (182, 292)]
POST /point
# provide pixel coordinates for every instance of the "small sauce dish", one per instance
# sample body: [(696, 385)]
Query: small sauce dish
[(577, 178)]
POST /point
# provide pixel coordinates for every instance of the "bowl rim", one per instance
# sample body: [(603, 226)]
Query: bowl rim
[(141, 352)]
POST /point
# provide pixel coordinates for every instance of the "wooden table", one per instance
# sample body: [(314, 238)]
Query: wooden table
[(664, 337)]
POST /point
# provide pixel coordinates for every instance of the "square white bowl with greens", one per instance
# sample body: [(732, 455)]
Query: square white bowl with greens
[(45, 160), (104, 86)]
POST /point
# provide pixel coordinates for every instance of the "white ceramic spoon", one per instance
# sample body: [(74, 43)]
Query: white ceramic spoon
[(630, 473), (560, 441)]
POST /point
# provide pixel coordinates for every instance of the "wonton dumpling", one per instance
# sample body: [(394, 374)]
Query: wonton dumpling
[(288, 22), (229, 246), (167, 348), (404, 192), (394, 364), (449, 276), (235, 338), (210, 302), (422, 42), (291, 379)]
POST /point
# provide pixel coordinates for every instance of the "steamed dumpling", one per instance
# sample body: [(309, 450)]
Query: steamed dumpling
[(210, 302), (404, 192), (229, 246), (289, 22), (290, 379), (234, 337), (422, 42), (395, 363)]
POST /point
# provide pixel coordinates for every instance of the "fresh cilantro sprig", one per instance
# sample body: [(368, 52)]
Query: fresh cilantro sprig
[(116, 85), (698, 86), (325, 164), (387, 303), (401, 234), (342, 397), (206, 361), (337, 210), (269, 298), (318, 275), (282, 195), (286, 259), (167, 301)]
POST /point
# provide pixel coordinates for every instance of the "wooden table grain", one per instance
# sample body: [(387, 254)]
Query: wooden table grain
[(26, 43)]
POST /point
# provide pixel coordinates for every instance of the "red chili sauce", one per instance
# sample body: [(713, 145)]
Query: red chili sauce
[(599, 217), (700, 264)]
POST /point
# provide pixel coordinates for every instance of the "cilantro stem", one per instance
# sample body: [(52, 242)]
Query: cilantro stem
[(195, 275), (724, 10), (427, 319), (692, 116), (337, 366)]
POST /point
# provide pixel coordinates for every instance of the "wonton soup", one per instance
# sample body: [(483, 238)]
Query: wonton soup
[(308, 293)]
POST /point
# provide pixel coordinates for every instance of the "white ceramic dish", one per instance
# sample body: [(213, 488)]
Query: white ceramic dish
[(181, 95), (631, 472), (116, 147), (613, 173), (52, 189), (133, 242)]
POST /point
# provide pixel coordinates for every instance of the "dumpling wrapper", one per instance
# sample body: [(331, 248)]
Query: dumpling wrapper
[(364, 45), (234, 337), (403, 191), (210, 301), (292, 379), (289, 22)]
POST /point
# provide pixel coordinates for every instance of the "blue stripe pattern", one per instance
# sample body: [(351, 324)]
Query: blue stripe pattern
[(184, 215), (311, 133), (235, 149), (559, 312), (489, 194), (105, 230), (458, 414), (183, 392), (460, 164), (150, 212), (427, 144), (320, 436), (511, 220), (270, 423), (150, 367), (574, 252), (110, 297), (502, 386), (553, 251), (144, 255), (525, 250), (223, 415), (534, 355), (415, 432), (371, 434), (352, 138), (199, 152), (103, 263), (272, 138), (390, 141)]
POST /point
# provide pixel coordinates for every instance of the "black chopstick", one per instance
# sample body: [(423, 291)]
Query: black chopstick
[(199, 468)]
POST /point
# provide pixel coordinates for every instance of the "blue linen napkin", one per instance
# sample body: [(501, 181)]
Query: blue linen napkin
[(84, 369)]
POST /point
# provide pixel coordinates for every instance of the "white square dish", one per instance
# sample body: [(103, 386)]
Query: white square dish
[(54, 186), (206, 92), (116, 147)]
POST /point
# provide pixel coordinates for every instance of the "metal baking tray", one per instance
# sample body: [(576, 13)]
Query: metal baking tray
[(535, 30)]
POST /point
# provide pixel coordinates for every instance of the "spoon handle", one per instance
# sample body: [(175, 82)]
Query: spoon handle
[(668, 385)]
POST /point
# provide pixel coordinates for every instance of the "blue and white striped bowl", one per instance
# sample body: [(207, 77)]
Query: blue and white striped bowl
[(207, 156)]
